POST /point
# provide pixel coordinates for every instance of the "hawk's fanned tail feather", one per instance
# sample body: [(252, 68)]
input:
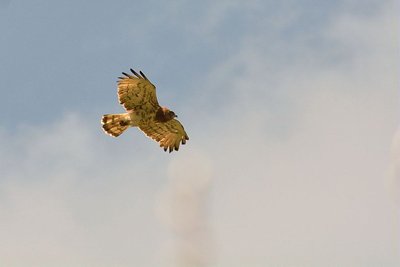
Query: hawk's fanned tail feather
[(115, 124)]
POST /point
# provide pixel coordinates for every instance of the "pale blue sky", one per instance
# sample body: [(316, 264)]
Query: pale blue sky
[(65, 56), (291, 107)]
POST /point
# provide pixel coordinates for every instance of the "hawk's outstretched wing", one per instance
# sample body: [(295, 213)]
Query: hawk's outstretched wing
[(136, 92), (168, 134)]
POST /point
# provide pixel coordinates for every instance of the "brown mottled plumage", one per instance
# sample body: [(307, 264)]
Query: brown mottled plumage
[(138, 96)]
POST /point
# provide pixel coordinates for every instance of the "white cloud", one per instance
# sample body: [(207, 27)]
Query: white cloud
[(315, 194), (69, 198), (393, 184)]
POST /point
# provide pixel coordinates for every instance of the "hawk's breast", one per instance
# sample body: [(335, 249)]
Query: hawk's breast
[(141, 116)]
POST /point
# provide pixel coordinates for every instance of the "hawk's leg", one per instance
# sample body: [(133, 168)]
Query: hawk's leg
[(123, 123)]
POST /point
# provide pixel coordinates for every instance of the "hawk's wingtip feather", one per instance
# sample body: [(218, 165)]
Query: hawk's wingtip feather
[(134, 72), (127, 75), (144, 76)]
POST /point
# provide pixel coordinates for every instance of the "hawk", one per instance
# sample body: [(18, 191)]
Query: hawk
[(138, 96)]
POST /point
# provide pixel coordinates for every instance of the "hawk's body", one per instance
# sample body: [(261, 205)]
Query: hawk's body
[(138, 95)]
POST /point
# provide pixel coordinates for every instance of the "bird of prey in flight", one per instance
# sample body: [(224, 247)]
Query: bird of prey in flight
[(138, 96)]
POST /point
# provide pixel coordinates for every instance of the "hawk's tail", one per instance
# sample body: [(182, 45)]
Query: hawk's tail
[(115, 124)]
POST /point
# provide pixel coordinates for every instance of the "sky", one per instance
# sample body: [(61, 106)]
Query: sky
[(292, 109)]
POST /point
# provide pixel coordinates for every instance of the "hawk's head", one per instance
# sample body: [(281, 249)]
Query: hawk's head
[(163, 114)]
